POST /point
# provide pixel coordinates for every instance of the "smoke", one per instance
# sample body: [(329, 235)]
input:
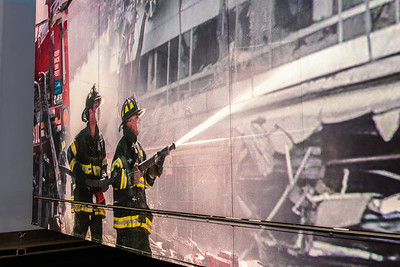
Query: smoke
[(80, 85), (79, 88), (110, 113), (94, 59)]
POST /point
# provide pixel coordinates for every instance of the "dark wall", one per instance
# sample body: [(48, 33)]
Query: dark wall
[(17, 46)]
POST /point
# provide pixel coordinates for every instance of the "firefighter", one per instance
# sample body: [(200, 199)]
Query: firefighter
[(129, 183), (88, 162)]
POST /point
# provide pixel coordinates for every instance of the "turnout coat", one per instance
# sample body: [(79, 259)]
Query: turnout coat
[(128, 193)]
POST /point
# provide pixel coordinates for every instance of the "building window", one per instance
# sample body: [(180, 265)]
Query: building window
[(143, 73), (161, 65), (205, 46), (173, 60), (293, 14), (184, 56)]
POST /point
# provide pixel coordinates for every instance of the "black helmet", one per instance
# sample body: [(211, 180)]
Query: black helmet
[(130, 108), (92, 97)]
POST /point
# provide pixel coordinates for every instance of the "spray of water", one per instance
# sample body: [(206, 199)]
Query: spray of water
[(277, 79), (203, 126), (224, 112)]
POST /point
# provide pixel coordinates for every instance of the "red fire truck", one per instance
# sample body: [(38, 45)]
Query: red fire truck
[(51, 114)]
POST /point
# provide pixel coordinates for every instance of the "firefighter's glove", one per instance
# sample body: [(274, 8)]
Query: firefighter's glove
[(155, 171), (104, 182), (136, 174)]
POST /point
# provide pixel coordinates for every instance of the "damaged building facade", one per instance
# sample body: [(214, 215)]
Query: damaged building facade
[(282, 111), (312, 132)]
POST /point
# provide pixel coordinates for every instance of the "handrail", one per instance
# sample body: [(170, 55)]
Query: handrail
[(242, 222)]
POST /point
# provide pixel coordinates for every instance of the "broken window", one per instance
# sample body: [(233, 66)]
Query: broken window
[(184, 55), (173, 59), (143, 73), (231, 25), (259, 22), (243, 27), (293, 14), (383, 16), (162, 65), (150, 70), (205, 46)]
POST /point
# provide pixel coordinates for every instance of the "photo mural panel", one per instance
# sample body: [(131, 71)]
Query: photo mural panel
[(259, 111)]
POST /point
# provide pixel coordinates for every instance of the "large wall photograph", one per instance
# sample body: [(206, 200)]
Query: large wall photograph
[(221, 133)]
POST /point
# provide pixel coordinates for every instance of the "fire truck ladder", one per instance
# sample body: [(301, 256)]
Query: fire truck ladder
[(50, 136)]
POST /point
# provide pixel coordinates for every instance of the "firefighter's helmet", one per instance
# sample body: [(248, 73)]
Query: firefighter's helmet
[(92, 97), (129, 109)]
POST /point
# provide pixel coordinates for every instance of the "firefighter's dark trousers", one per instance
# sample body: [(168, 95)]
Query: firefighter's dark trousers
[(136, 238), (82, 223)]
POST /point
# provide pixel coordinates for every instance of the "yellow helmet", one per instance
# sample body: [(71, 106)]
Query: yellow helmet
[(129, 109), (92, 97)]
